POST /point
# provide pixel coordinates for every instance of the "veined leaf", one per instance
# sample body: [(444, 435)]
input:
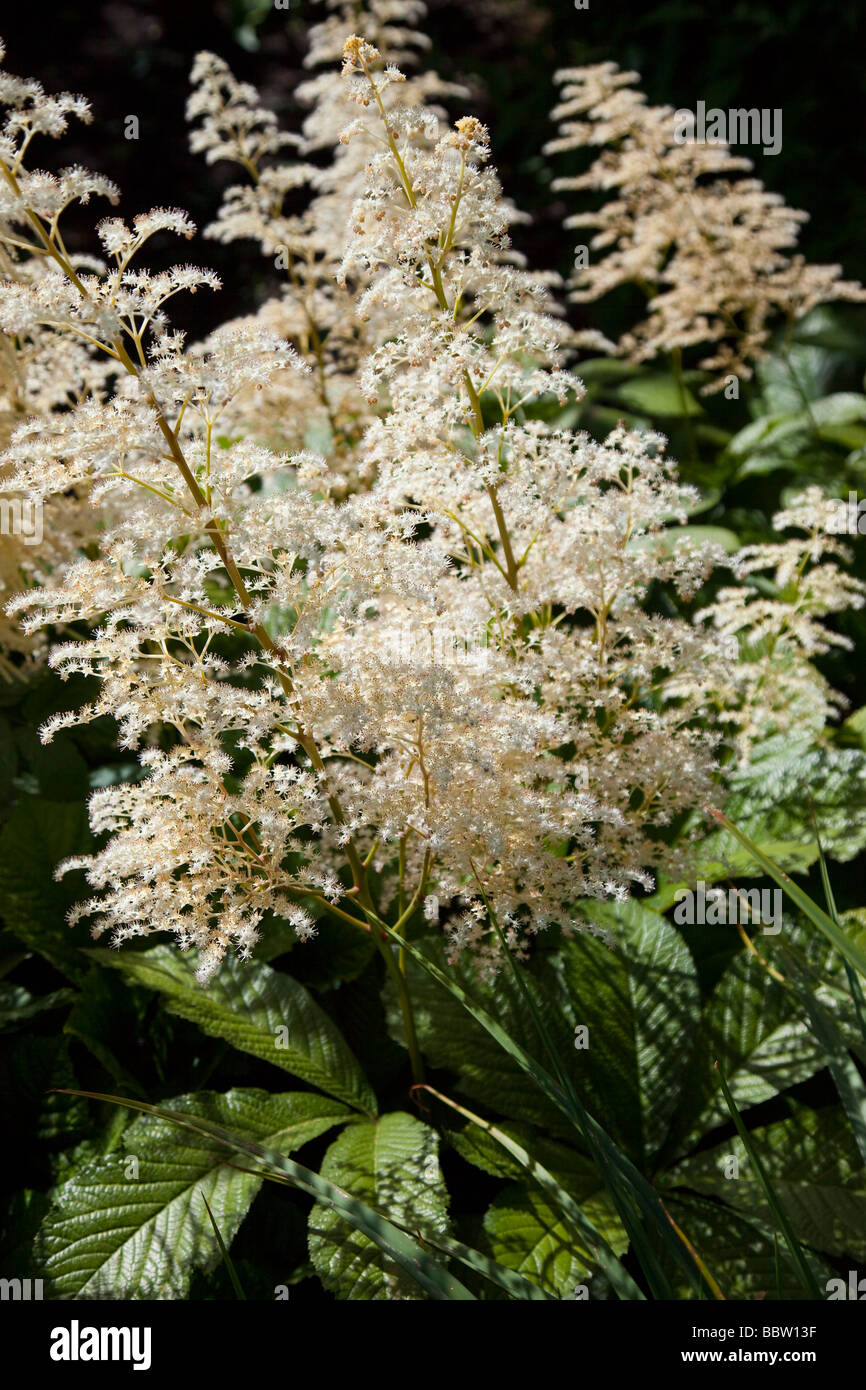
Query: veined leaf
[(530, 1236), (576, 1196), (450, 1038), (18, 1005), (846, 945), (132, 1225), (36, 837), (636, 1201), (407, 1252), (257, 1010), (641, 1007), (391, 1164), (742, 1254), (775, 1205), (814, 1165), (754, 1028), (846, 1076)]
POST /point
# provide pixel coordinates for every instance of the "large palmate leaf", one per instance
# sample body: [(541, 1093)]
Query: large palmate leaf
[(641, 1008), (133, 1225), (814, 1165), (392, 1164), (414, 1258), (757, 1032), (257, 1010)]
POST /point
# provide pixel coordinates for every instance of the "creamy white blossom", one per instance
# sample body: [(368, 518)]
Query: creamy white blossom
[(714, 252), (441, 663)]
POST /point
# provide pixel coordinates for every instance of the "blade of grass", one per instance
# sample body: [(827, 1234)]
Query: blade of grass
[(846, 1076), (853, 982), (620, 1280), (232, 1272), (769, 1191), (507, 1279), (392, 1241), (849, 950)]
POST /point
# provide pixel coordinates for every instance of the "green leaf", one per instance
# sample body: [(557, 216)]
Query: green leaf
[(513, 1284), (635, 1199), (606, 369), (787, 378), (37, 1122), (847, 947), (391, 1164), (640, 1005), (132, 1225), (257, 1010), (854, 727), (576, 1171), (698, 535), (336, 954), (815, 1168), (769, 803), (478, 1147), (842, 408), (530, 1236), (658, 395), (825, 327), (105, 1012), (846, 1075), (774, 1202), (752, 1025), (58, 767), (452, 1040), (833, 417), (411, 1256), (567, 1191)]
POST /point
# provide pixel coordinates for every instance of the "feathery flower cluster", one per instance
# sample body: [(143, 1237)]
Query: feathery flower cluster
[(323, 410), (712, 252), (248, 617), (775, 688), (40, 373)]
